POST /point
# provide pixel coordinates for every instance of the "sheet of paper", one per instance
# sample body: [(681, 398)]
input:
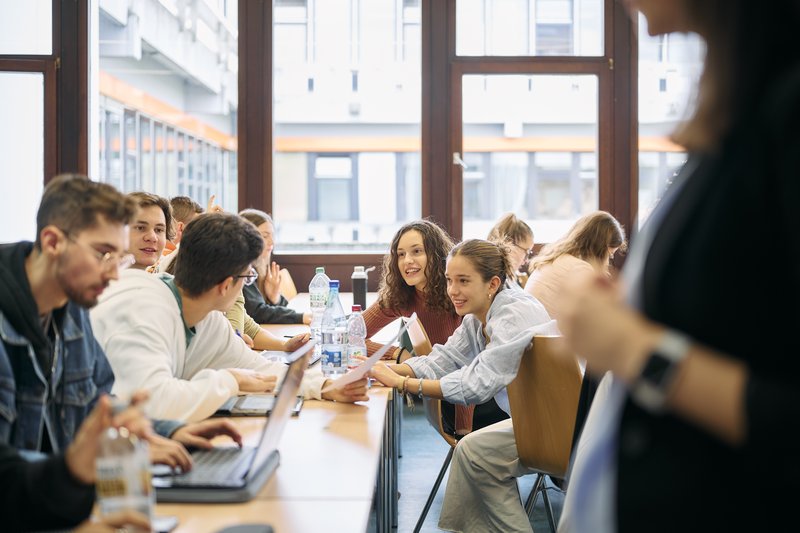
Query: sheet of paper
[(361, 370)]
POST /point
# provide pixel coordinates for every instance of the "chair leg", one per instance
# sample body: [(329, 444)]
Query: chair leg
[(434, 490), (531, 501)]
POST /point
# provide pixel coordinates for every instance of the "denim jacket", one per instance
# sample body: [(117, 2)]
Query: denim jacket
[(82, 373)]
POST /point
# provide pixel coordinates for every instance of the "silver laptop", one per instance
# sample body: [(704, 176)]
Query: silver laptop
[(231, 474)]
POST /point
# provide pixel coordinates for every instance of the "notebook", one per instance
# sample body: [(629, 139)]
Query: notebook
[(230, 474)]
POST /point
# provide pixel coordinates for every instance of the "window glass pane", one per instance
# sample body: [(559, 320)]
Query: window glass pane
[(669, 67), (346, 171), (529, 27), (21, 153), (26, 27), (167, 77), (536, 160)]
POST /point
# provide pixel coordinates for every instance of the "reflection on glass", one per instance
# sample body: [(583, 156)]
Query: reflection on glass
[(669, 66), (26, 27), (346, 170), (529, 27), (530, 144), (168, 97), (21, 153)]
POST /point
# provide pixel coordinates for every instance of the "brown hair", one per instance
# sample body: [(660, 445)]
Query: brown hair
[(394, 293), (748, 47), (73, 203), (589, 238), (489, 258), (510, 229), (146, 199), (184, 209)]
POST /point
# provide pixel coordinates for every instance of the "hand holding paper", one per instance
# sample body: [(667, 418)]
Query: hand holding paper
[(361, 370)]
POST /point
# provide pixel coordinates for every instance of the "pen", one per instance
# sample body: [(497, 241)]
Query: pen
[(288, 336)]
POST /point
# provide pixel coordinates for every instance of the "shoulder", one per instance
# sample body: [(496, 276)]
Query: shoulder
[(517, 306)]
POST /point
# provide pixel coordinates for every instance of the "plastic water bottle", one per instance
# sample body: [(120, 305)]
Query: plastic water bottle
[(356, 337), (334, 334), (359, 279), (123, 473), (318, 297)]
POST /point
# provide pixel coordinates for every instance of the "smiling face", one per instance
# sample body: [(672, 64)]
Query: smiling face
[(412, 259), (469, 293), (267, 231), (148, 236)]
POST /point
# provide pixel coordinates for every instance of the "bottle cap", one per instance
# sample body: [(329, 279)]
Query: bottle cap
[(358, 269), (333, 284), (320, 270), (356, 307)]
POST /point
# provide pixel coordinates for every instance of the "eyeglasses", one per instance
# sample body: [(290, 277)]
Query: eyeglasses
[(106, 260), (249, 278), (529, 253)]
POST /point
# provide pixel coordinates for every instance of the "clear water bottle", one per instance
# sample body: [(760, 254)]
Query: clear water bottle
[(318, 297), (334, 334), (123, 473), (356, 337), (359, 279)]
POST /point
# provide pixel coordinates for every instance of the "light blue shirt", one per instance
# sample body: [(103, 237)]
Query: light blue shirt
[(471, 370)]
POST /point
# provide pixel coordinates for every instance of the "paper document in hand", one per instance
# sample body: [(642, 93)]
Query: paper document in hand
[(361, 370)]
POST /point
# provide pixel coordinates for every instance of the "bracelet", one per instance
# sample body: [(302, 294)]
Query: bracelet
[(419, 390), (403, 388)]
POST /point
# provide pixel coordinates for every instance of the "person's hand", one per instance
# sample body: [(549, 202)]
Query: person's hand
[(385, 375), (252, 381), (247, 340), (164, 451), (353, 392), (199, 434), (272, 282), (126, 520), (82, 452), (307, 316), (601, 328), (212, 207), (296, 342)]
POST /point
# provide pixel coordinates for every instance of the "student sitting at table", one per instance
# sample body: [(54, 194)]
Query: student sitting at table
[(477, 363), (254, 335), (263, 300), (149, 230), (519, 236), (184, 210), (167, 334)]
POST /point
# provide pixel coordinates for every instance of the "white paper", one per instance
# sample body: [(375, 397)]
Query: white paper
[(361, 370)]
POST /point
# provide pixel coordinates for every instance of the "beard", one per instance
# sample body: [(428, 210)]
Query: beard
[(85, 296)]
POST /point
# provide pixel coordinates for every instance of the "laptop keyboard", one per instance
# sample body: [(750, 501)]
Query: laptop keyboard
[(219, 466)]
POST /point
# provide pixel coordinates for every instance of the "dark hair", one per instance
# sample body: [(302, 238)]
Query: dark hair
[(489, 258), (256, 216), (213, 247), (749, 46), (589, 239), (184, 209), (510, 228), (73, 203), (394, 293), (146, 199)]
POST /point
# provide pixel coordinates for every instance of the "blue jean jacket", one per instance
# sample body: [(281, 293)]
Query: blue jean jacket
[(28, 403)]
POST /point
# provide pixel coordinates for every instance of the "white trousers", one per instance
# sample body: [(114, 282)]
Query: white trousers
[(482, 493)]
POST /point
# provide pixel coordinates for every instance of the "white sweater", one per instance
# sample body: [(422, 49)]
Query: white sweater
[(139, 325)]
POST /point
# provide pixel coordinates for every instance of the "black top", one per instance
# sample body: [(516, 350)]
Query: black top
[(264, 312), (724, 267)]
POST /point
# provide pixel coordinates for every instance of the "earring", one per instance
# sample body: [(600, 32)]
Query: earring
[(490, 295)]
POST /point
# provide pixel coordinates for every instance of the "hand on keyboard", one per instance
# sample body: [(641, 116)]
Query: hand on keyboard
[(199, 434), (251, 381)]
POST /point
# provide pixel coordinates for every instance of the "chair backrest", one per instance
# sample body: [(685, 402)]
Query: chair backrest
[(544, 405), (288, 288)]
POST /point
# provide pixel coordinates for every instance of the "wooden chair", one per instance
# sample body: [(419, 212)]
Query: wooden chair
[(544, 409)]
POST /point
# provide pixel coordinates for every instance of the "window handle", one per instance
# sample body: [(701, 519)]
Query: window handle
[(458, 161)]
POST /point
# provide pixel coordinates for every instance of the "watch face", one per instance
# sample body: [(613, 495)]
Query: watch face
[(656, 368)]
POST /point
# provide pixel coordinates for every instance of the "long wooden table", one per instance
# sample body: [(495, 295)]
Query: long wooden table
[(336, 461)]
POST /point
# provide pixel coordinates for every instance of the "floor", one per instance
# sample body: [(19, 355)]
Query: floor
[(423, 452)]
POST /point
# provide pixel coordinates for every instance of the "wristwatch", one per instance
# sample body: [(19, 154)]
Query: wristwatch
[(651, 387)]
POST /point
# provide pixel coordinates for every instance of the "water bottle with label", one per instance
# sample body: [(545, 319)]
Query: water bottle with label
[(356, 337), (334, 334), (123, 473), (318, 297)]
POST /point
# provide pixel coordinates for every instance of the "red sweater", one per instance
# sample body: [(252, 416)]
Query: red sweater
[(438, 324)]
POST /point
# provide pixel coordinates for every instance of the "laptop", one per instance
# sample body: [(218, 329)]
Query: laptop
[(231, 474)]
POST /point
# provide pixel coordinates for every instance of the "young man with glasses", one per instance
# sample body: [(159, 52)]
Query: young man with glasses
[(168, 334), (52, 370)]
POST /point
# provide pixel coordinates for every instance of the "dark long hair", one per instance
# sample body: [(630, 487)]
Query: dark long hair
[(394, 293)]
